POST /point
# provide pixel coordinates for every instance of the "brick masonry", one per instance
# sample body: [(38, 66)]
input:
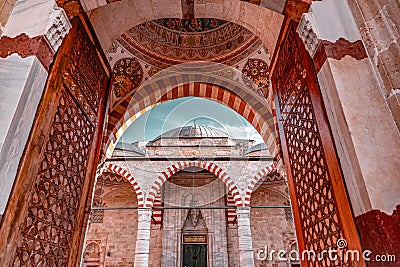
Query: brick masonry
[(181, 182), (116, 235)]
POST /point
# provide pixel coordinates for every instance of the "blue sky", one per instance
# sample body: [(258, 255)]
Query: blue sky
[(183, 111)]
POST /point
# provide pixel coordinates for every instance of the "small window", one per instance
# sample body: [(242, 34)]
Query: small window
[(97, 216), (288, 212)]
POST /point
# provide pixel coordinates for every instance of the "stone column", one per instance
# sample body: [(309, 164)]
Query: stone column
[(246, 256), (143, 238)]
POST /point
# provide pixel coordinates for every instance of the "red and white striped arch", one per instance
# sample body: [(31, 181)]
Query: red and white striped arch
[(157, 211), (255, 109), (211, 167), (250, 187), (112, 168), (231, 212)]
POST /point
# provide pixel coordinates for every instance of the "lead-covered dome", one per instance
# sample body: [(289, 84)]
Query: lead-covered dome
[(194, 131)]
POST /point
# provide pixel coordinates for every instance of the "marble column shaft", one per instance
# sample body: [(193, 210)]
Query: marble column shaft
[(143, 237), (246, 256)]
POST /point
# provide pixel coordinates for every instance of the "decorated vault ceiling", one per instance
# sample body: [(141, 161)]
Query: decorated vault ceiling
[(155, 45), (171, 41)]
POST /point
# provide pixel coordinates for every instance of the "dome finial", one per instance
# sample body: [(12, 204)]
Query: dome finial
[(194, 123)]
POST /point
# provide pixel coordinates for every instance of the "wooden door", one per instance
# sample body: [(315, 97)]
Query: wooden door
[(321, 209), (194, 255), (45, 218)]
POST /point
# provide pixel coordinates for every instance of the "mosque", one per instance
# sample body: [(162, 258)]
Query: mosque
[(194, 220), (318, 80)]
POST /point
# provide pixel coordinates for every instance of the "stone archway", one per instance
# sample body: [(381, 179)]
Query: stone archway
[(290, 60), (211, 167), (255, 109), (112, 168), (122, 15), (92, 254), (339, 194), (115, 192), (264, 172)]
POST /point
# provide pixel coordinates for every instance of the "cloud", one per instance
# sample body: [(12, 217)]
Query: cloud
[(244, 132)]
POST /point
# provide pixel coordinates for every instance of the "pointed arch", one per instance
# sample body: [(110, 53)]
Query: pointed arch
[(124, 14), (181, 165), (253, 107), (112, 168), (250, 187)]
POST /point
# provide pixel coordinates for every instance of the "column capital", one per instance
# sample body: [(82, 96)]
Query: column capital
[(328, 30), (243, 214), (145, 209), (144, 214)]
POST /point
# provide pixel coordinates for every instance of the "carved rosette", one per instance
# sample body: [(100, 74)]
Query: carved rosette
[(255, 75), (128, 74)]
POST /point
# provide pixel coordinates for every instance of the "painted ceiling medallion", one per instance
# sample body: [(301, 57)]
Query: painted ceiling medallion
[(255, 74), (128, 74), (170, 41)]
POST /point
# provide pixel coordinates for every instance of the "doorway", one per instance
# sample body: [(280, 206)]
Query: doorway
[(195, 255)]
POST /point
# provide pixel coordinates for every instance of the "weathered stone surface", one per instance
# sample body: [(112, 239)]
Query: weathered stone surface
[(380, 234), (379, 25), (271, 228)]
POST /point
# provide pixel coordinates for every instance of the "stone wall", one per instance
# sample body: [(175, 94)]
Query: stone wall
[(155, 255), (20, 97), (269, 227), (356, 93), (179, 193), (6, 8), (117, 233), (233, 245), (379, 25)]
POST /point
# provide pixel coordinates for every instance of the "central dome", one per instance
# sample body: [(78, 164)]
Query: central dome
[(194, 131)]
